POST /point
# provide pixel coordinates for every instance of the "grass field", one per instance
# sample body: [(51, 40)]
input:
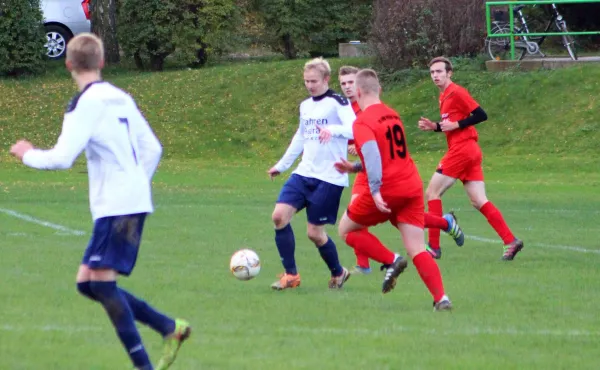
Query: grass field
[(538, 312), (212, 197)]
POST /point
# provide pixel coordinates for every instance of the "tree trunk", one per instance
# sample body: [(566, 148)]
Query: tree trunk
[(104, 24), (289, 50), (157, 61)]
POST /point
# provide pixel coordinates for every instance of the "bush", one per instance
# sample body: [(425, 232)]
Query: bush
[(409, 33), (22, 37), (191, 30), (295, 27)]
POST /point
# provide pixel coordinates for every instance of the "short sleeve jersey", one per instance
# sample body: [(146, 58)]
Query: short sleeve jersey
[(457, 104), (400, 176)]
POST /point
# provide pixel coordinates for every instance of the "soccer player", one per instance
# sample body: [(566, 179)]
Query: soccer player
[(122, 155), (460, 113), (395, 192), (347, 78), (448, 223), (325, 127)]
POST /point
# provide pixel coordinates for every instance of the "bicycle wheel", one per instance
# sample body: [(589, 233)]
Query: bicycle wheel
[(498, 48), (568, 42)]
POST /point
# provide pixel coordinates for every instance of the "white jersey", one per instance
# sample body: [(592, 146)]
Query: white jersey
[(122, 151), (330, 111)]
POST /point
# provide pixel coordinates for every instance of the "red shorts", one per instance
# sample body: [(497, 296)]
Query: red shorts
[(408, 210), (361, 184), (463, 162)]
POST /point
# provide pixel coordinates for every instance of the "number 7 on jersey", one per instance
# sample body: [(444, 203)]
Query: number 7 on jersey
[(126, 123)]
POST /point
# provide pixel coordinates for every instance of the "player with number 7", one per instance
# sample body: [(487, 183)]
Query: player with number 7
[(122, 155)]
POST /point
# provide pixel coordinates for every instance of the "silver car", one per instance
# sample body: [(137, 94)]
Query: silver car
[(64, 19)]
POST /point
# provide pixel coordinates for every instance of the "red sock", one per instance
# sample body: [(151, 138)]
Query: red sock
[(430, 274), (435, 209), (494, 217), (368, 245), (362, 260), (435, 222)]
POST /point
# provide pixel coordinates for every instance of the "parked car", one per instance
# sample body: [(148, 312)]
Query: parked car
[(64, 19)]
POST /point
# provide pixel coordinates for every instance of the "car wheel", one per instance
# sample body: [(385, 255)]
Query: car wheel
[(57, 38)]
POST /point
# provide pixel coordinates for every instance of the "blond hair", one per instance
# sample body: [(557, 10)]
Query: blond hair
[(348, 70), (444, 60), (368, 82), (85, 52), (320, 65)]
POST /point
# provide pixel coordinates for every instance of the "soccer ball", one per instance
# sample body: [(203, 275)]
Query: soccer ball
[(244, 264)]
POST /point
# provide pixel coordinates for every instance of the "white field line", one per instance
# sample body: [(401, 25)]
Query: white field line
[(570, 248), (51, 328), (359, 331), (58, 228), (466, 331)]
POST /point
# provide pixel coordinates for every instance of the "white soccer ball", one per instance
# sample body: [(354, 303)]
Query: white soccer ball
[(244, 264)]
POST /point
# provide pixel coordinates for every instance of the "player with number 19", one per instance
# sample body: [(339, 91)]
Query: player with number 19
[(395, 192), (122, 155)]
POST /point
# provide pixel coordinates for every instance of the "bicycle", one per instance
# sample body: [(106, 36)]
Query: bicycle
[(498, 48)]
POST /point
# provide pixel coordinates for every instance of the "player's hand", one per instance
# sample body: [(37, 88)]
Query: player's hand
[(380, 203), (352, 149), (324, 134), (344, 166), (20, 148), (425, 124), (273, 172), (447, 125)]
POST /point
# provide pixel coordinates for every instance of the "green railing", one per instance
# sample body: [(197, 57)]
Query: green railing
[(511, 17)]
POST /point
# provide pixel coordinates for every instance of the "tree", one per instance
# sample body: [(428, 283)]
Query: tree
[(104, 24), (409, 33), (22, 37), (313, 26), (191, 30)]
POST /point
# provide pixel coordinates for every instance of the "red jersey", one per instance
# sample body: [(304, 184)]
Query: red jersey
[(355, 107), (356, 110), (399, 173), (457, 104)]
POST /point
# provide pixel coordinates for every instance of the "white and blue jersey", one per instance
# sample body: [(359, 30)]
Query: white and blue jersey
[(122, 151), (122, 155), (315, 184), (330, 111)]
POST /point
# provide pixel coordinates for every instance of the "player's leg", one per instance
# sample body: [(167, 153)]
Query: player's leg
[(103, 288), (328, 251), (362, 260), (412, 237), (142, 311), (291, 199), (448, 223), (359, 238), (113, 250), (322, 209), (438, 185), (353, 229), (476, 192)]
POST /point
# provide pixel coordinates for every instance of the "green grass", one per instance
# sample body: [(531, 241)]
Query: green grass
[(222, 128), (248, 109), (538, 312)]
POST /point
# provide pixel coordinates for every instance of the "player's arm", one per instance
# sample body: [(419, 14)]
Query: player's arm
[(150, 149), (468, 104), (365, 138), (77, 129), (345, 166), (346, 116), (477, 115), (373, 166), (295, 148)]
